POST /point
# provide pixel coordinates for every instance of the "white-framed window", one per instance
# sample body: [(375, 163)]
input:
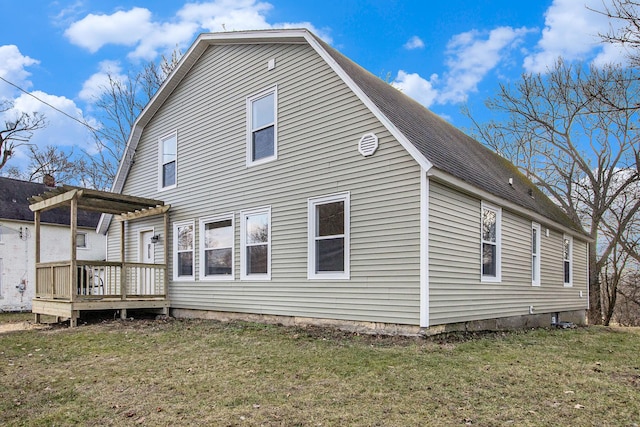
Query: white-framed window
[(81, 240), (216, 248), (490, 234), (328, 230), (535, 254), (168, 161), (183, 250), (255, 243), (567, 259), (262, 127)]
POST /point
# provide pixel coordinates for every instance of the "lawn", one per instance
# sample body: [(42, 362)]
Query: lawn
[(191, 372)]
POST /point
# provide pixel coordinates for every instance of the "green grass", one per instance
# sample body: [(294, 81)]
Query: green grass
[(190, 372)]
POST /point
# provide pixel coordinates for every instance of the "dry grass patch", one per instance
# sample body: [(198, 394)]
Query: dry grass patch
[(190, 372)]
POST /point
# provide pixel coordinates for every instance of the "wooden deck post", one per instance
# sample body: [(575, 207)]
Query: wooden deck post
[(74, 230), (123, 271), (165, 247), (36, 220)]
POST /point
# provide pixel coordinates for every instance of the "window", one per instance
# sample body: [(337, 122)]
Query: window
[(168, 168), (535, 254), (255, 239), (262, 132), (216, 246), (81, 240), (328, 237), (183, 235), (567, 256), (491, 245)]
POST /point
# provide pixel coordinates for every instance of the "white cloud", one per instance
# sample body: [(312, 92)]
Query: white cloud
[(60, 130), (472, 55), (13, 68), (416, 87), (137, 29), (226, 15), (571, 31), (94, 86), (121, 28), (414, 43)]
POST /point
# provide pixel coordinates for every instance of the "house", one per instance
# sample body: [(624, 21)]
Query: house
[(304, 189), (17, 241)]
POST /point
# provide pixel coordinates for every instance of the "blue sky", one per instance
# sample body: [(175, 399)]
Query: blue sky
[(445, 54)]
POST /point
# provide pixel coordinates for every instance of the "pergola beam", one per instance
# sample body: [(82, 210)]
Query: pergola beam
[(55, 201)]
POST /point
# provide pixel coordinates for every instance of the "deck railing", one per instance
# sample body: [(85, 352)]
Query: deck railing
[(99, 280)]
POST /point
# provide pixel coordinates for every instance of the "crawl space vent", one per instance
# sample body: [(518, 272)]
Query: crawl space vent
[(368, 144)]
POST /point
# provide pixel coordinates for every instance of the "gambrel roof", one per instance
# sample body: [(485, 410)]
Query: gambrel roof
[(442, 150)]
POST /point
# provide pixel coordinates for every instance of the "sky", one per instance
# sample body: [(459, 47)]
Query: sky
[(445, 54)]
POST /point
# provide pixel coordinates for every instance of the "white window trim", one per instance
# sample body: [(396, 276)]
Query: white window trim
[(249, 151), (311, 233), (243, 241), (86, 240), (498, 211), (535, 265), (203, 222), (568, 284), (161, 164), (175, 251)]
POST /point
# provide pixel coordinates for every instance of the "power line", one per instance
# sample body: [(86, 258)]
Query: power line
[(55, 108)]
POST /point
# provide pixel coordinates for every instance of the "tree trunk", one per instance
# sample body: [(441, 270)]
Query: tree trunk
[(595, 305)]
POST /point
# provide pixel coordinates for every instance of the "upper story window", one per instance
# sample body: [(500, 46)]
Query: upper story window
[(567, 257), (81, 240), (255, 240), (329, 237), (262, 128), (183, 247), (216, 246), (491, 243), (168, 161), (535, 254)]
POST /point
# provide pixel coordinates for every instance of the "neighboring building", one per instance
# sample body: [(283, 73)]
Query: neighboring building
[(17, 245), (305, 189)]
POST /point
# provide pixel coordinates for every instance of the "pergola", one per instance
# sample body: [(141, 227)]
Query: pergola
[(63, 289)]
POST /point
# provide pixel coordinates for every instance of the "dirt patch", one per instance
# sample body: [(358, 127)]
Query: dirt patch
[(20, 326)]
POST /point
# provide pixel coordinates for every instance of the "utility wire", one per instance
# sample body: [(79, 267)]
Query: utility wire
[(55, 108)]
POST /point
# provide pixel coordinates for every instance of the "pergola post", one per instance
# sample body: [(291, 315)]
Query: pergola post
[(36, 220), (74, 231), (166, 252)]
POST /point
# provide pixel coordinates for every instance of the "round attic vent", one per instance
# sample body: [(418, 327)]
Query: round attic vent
[(368, 144)]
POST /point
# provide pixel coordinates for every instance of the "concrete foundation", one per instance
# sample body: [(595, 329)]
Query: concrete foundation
[(542, 320)]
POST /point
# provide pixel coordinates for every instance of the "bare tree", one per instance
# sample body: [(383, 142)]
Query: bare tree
[(574, 132), (627, 34), (118, 106), (17, 130)]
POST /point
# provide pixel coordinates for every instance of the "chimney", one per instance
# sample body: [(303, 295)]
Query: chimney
[(49, 180)]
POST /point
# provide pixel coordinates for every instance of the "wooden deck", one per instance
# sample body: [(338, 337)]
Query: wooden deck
[(64, 289)]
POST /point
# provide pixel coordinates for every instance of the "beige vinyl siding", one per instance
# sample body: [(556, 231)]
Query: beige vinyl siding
[(132, 248), (320, 122), (456, 292)]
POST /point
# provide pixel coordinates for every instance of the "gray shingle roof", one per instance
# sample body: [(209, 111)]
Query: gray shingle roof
[(15, 206), (450, 149)]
